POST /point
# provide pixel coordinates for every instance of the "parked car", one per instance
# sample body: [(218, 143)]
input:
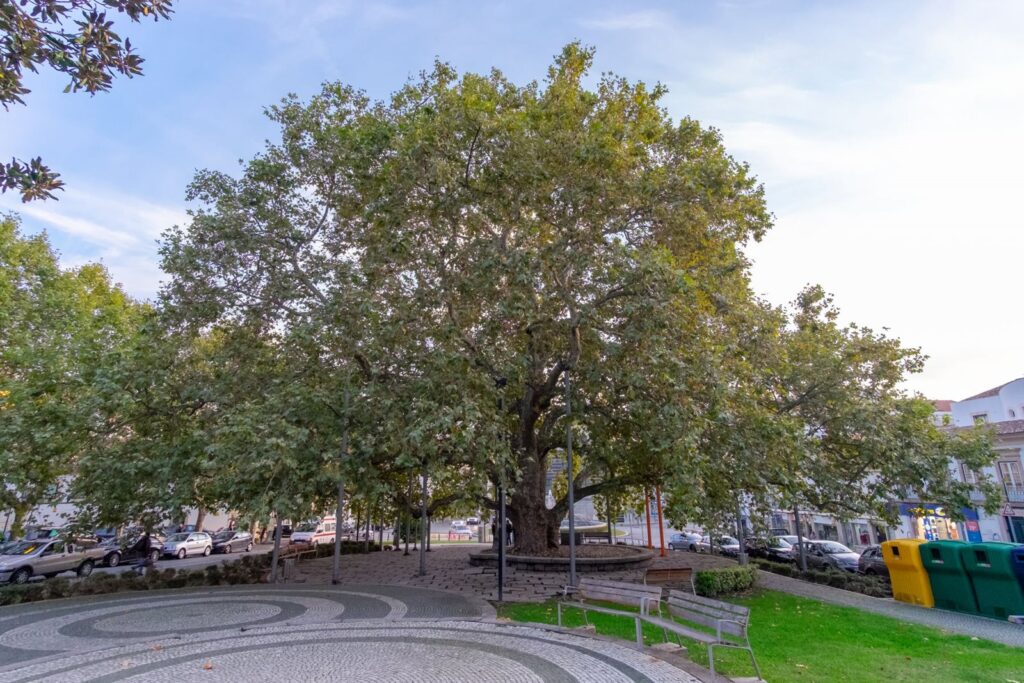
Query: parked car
[(472, 521), (315, 533), (791, 539), (829, 554), (684, 541), (184, 544), (47, 557), (871, 562), (128, 548), (773, 548), (460, 529), (726, 545), (230, 541)]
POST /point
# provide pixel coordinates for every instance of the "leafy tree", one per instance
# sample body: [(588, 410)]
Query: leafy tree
[(57, 330), (73, 37), (470, 231)]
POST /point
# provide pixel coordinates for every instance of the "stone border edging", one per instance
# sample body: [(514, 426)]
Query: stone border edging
[(640, 557)]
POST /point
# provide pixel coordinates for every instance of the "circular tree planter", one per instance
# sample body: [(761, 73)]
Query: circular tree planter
[(624, 557)]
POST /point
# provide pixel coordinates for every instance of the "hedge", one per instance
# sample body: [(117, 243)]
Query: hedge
[(714, 582), (876, 587), (247, 569)]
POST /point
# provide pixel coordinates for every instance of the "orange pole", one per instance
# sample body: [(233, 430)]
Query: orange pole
[(661, 521), (647, 506)]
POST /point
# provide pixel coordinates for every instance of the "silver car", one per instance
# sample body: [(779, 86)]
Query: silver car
[(184, 544), (46, 557)]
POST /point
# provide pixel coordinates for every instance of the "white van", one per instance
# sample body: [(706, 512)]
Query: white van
[(315, 533)]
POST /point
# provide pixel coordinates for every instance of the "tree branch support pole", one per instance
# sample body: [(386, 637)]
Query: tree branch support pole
[(408, 518), (647, 514), (277, 548), (572, 482), (800, 538), (423, 524), (661, 522), (339, 515), (608, 512)]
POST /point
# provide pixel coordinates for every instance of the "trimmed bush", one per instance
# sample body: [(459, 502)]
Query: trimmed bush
[(714, 582), (876, 587), (248, 569)]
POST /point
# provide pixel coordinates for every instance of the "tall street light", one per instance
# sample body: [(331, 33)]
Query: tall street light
[(572, 496), (499, 528)]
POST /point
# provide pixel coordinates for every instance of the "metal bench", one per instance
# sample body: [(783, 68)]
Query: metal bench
[(644, 597), (669, 575), (728, 621)]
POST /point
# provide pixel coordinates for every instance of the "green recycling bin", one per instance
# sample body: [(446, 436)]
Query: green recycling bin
[(951, 586), (990, 566)]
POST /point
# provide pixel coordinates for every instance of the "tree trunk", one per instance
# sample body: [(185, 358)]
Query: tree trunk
[(200, 518), (535, 527), (21, 511)]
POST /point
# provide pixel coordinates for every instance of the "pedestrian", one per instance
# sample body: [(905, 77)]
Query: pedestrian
[(144, 546), (508, 531)]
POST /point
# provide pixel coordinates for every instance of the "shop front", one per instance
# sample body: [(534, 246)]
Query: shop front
[(932, 522)]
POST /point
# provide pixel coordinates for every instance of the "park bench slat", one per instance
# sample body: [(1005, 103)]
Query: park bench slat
[(611, 591), (728, 621)]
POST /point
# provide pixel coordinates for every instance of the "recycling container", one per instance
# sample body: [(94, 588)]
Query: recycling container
[(951, 586), (909, 578), (996, 583), (1018, 562)]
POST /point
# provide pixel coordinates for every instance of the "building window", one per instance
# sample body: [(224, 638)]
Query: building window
[(970, 476), (1011, 473), (980, 418)]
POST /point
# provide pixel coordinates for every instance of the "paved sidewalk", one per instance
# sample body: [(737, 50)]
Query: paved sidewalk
[(954, 622), (448, 569), (306, 633)]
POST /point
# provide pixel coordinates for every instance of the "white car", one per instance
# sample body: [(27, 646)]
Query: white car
[(315, 533), (460, 529)]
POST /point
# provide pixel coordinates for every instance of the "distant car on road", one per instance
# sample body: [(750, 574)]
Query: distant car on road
[(472, 521), (184, 544), (871, 562), (829, 554), (773, 548), (315, 533), (230, 541), (459, 529), (726, 545), (47, 557), (684, 541)]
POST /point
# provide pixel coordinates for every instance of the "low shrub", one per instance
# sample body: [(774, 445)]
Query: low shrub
[(247, 569), (873, 586), (714, 582)]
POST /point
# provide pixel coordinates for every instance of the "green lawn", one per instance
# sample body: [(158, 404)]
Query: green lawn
[(796, 639)]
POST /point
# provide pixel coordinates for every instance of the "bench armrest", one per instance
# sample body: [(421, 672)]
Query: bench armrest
[(569, 590)]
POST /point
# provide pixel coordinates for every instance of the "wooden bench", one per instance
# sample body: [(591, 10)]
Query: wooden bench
[(667, 575), (728, 621), (588, 590)]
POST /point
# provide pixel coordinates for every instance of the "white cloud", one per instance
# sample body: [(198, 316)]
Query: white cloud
[(630, 21), (98, 224)]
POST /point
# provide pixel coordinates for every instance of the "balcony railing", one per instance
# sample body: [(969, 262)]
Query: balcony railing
[(977, 496), (1015, 494)]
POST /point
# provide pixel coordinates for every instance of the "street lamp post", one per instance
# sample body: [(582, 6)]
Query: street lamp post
[(572, 497), (499, 528)]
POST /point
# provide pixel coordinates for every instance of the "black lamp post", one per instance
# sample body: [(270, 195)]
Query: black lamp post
[(499, 529)]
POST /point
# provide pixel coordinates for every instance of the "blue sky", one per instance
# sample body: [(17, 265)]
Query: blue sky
[(888, 135)]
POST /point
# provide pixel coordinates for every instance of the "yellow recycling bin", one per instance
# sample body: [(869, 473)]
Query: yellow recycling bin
[(909, 577)]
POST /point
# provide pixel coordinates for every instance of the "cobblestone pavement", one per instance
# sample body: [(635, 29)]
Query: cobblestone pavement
[(448, 569), (292, 633)]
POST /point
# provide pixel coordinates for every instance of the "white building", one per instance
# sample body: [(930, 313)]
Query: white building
[(1002, 406)]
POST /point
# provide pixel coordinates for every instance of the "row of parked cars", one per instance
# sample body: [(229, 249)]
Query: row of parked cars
[(49, 551), (820, 554)]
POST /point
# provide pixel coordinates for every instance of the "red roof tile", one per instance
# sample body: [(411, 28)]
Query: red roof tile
[(994, 391), (942, 406)]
